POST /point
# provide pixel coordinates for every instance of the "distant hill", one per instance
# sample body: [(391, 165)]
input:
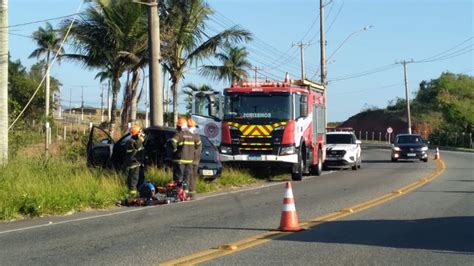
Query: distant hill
[(379, 120)]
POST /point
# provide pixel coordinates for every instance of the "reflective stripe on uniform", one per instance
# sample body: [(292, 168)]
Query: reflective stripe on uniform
[(133, 166), (183, 161)]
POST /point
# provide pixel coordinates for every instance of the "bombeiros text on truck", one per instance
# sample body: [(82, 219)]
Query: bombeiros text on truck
[(278, 124)]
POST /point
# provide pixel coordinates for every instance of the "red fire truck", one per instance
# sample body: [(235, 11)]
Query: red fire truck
[(279, 124)]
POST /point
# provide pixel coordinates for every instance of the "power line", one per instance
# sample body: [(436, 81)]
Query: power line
[(40, 21), (370, 89), (450, 49), (364, 73), (258, 42)]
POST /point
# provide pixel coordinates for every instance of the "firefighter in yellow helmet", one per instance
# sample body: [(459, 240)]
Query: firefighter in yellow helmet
[(135, 160), (183, 144), (197, 156)]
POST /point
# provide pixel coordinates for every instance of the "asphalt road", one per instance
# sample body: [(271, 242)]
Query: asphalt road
[(431, 225)]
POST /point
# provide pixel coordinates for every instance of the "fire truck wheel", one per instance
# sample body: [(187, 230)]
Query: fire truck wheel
[(318, 169), (297, 169)]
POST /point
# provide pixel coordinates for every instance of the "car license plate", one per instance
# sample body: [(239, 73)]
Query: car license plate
[(255, 157), (207, 172), (411, 154)]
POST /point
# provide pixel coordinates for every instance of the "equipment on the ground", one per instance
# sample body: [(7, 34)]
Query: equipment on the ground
[(150, 194)]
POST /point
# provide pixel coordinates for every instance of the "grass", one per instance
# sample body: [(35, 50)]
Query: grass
[(37, 187), (230, 178)]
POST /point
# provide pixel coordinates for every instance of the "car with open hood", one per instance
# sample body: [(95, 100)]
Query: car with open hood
[(103, 151)]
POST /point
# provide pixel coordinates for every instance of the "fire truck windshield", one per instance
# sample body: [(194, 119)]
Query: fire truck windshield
[(275, 106)]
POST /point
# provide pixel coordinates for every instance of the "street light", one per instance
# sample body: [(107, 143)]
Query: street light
[(343, 42), (347, 38)]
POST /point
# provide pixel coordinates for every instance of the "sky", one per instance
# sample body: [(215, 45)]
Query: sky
[(363, 69)]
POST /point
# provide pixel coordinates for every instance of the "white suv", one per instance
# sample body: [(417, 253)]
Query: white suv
[(342, 150)]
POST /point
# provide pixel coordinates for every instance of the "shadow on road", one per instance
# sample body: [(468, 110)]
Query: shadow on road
[(447, 191), (222, 228), (454, 234)]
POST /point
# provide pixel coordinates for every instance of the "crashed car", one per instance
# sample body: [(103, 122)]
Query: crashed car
[(103, 151), (409, 146), (342, 150)]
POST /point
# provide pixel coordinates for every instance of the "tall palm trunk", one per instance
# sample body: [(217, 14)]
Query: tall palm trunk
[(125, 110), (134, 98), (115, 91), (4, 82), (174, 88)]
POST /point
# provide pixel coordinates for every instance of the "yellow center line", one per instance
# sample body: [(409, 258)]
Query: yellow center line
[(226, 249)]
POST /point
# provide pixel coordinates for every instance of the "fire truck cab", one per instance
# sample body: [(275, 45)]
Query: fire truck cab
[(280, 124)]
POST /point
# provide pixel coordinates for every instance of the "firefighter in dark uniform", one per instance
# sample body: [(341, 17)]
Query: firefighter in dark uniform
[(184, 144), (134, 160), (197, 156)]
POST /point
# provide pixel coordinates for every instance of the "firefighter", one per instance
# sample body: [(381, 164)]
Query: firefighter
[(183, 146), (196, 158), (134, 160)]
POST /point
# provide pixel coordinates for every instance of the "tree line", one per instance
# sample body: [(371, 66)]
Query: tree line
[(444, 104)]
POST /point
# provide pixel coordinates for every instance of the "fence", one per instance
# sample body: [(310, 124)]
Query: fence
[(451, 139)]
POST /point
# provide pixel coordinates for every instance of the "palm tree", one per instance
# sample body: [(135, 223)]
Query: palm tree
[(49, 44), (234, 64), (188, 91), (107, 36), (185, 41)]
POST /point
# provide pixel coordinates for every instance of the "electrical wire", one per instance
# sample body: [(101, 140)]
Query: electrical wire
[(450, 49), (40, 21), (364, 90), (49, 66), (258, 42), (364, 73)]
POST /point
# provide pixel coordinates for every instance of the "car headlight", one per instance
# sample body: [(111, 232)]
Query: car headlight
[(279, 128), (226, 150), (396, 148), (424, 148), (288, 150)]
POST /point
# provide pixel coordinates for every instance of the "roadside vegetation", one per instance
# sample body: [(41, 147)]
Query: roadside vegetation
[(33, 185)]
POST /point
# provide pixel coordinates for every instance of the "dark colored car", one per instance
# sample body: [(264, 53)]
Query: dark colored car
[(103, 151), (409, 146)]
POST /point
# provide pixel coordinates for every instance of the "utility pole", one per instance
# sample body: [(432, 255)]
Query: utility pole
[(4, 82), (156, 93), (70, 101), (407, 99), (102, 103), (109, 103), (322, 45), (323, 59), (256, 69), (82, 103), (60, 108), (302, 45)]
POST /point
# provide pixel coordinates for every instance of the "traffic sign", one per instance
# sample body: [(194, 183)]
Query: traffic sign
[(389, 130)]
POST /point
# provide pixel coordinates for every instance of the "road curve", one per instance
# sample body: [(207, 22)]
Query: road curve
[(156, 234)]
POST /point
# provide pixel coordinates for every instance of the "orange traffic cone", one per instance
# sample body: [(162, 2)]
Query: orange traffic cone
[(289, 218), (437, 157)]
